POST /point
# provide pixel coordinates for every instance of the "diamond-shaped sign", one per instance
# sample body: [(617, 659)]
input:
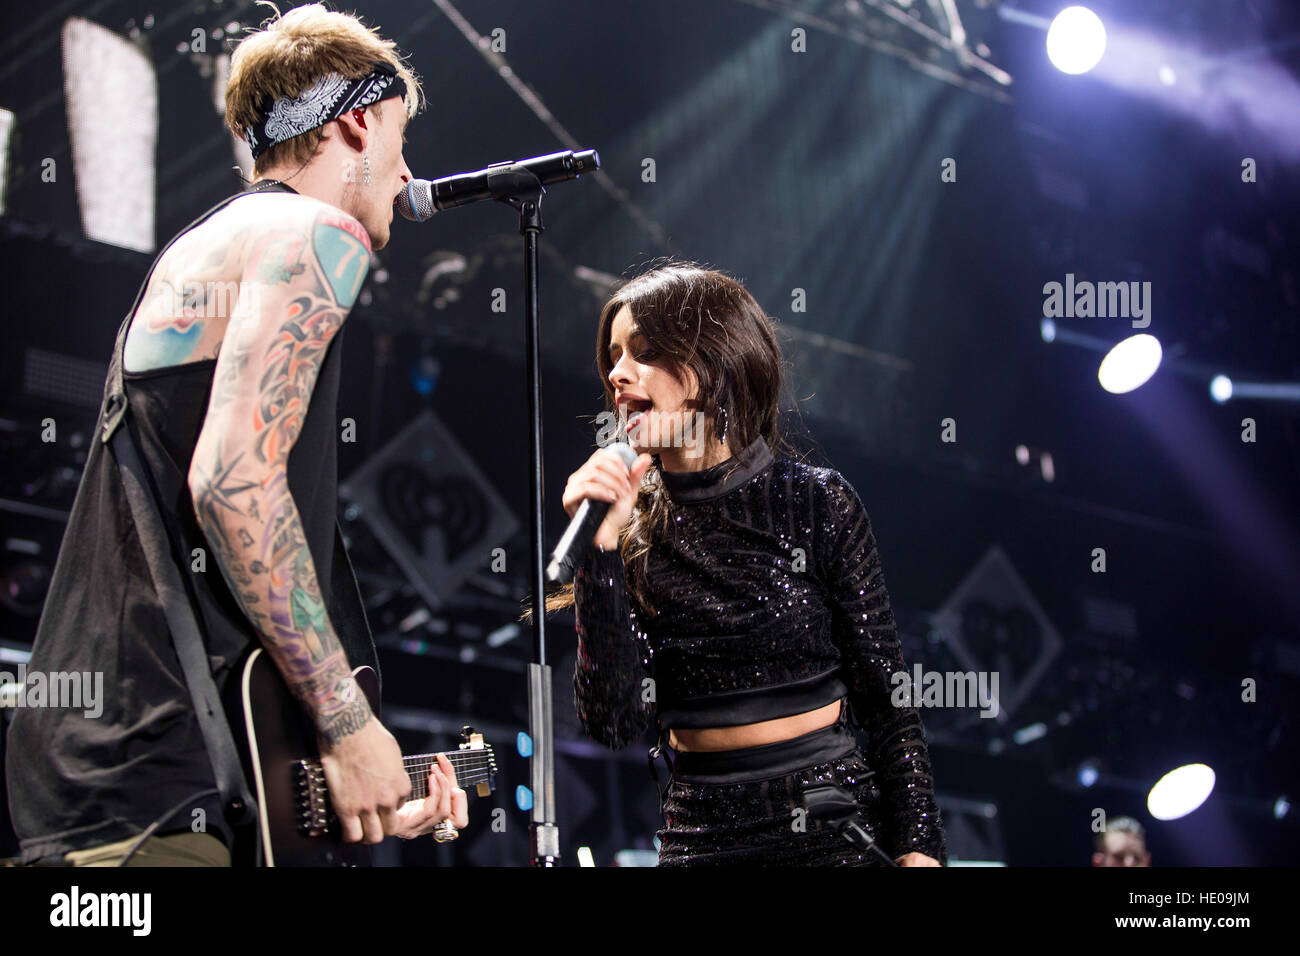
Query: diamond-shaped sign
[(992, 622), (431, 507)]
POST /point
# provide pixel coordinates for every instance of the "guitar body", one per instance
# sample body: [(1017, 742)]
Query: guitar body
[(280, 738), (296, 824)]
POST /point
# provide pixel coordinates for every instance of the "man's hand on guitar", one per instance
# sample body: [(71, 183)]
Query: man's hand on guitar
[(367, 782), (445, 801)]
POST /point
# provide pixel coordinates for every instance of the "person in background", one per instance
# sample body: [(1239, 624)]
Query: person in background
[(1122, 843)]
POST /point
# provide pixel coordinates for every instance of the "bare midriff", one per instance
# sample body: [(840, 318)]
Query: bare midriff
[(754, 735)]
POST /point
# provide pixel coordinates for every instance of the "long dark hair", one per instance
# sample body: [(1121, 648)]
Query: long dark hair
[(701, 321)]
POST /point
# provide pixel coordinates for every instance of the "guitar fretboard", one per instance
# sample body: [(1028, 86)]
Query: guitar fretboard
[(471, 766)]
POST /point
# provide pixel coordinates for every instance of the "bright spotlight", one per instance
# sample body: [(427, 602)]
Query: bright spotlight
[(1076, 40), (1167, 75), (111, 92), (1022, 454), (1048, 329), (1088, 773), (1221, 388), (1130, 364), (1180, 791), (1281, 806)]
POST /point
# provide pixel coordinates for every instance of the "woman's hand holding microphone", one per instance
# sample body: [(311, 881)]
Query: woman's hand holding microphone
[(603, 477)]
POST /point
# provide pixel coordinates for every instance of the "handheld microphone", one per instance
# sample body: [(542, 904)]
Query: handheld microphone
[(422, 197), (576, 541)]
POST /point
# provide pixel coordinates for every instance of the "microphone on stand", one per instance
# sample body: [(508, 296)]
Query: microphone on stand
[(423, 197), (576, 540)]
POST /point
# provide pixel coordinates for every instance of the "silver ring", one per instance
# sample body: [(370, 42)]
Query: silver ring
[(445, 831)]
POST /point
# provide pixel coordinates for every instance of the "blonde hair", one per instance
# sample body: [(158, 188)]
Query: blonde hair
[(291, 52), (1120, 825)]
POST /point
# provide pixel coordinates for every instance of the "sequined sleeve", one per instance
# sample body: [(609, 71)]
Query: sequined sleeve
[(610, 683), (870, 651)]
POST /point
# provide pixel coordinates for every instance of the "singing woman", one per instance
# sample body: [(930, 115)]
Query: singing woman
[(735, 601)]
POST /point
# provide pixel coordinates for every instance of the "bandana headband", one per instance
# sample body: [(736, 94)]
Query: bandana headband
[(327, 99)]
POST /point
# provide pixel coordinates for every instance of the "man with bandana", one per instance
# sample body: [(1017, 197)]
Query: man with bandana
[(225, 377)]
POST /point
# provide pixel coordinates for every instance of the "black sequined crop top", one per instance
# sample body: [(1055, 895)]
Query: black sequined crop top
[(768, 601)]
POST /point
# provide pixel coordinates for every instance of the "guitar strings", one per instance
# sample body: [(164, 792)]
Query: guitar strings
[(423, 769), (425, 761), (419, 766), (478, 765)]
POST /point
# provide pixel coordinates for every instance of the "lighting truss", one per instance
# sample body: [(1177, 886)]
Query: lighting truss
[(941, 38)]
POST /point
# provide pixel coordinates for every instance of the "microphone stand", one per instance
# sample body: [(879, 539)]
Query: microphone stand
[(518, 185), (521, 189)]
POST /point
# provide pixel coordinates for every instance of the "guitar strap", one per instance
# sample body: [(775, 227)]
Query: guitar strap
[(240, 806)]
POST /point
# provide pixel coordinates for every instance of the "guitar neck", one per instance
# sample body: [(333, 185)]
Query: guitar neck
[(471, 766)]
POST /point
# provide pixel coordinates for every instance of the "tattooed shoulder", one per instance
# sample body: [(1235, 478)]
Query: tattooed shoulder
[(342, 246), (190, 295)]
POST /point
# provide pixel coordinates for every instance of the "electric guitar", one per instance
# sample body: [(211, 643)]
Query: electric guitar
[(297, 826)]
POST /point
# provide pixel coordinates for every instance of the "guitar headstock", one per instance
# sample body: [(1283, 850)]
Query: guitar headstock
[(471, 740)]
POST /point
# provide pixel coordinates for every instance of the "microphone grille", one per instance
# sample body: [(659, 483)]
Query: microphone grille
[(624, 451), (415, 202)]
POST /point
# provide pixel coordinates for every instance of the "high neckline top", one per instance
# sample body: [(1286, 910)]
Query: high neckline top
[(687, 486)]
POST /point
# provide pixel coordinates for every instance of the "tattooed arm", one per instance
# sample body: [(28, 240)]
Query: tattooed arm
[(300, 279)]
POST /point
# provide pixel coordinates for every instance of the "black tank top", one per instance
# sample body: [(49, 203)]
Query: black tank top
[(78, 779)]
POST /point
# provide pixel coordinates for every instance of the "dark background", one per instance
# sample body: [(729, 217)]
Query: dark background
[(818, 171)]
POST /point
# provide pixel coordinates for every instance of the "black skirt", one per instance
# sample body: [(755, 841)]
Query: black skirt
[(747, 807)]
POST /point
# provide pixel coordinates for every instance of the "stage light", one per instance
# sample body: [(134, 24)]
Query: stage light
[(1180, 791), (584, 856), (1167, 75), (1022, 454), (1281, 807), (1130, 364), (1076, 40), (1221, 388), (1264, 391), (112, 99), (423, 375), (1088, 773), (1048, 330), (626, 858), (503, 635), (523, 798), (1027, 735), (6, 132), (1046, 466)]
